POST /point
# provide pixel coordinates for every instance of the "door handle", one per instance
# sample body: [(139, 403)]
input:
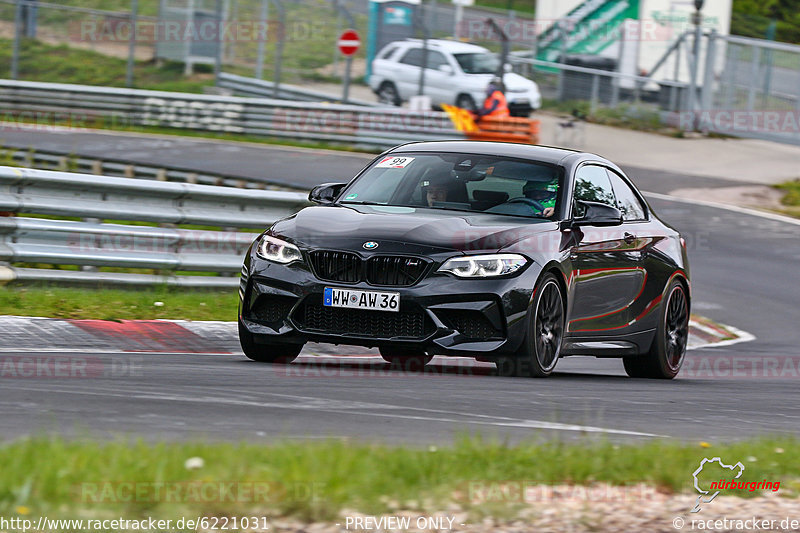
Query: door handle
[(629, 238)]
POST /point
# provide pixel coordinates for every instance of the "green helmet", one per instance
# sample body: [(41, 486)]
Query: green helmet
[(543, 192)]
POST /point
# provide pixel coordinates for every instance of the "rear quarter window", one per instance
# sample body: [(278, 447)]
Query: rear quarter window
[(627, 200), (388, 52)]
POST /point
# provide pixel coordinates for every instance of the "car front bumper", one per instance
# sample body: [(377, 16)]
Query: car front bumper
[(440, 314)]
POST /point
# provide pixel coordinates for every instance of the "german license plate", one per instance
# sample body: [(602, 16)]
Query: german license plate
[(353, 299)]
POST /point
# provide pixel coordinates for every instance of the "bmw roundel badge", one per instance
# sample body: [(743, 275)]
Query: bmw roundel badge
[(370, 245)]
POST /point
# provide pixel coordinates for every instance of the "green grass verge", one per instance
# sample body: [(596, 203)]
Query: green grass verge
[(63, 64), (791, 200), (316, 481), (310, 35), (521, 7), (628, 116), (115, 304)]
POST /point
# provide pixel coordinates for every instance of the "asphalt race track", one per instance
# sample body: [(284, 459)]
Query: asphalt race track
[(294, 167), (744, 273)]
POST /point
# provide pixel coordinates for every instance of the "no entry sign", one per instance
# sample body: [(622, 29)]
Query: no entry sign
[(349, 42)]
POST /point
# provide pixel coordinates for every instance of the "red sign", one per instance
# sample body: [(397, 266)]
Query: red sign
[(349, 42)]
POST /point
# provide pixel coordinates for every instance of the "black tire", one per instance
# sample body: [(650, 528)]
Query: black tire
[(521, 112), (465, 101), (666, 354), (387, 94), (405, 358), (274, 353), (541, 348)]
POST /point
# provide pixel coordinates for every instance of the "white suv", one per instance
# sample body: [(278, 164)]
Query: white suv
[(457, 73)]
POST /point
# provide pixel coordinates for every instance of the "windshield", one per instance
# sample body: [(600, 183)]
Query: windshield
[(480, 63), (460, 182)]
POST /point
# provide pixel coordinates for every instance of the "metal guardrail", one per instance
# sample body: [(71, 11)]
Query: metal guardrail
[(362, 126), (244, 86), (91, 243)]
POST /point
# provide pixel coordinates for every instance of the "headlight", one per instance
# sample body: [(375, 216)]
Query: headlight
[(483, 266), (279, 251)]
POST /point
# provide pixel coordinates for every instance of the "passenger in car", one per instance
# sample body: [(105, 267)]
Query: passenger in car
[(436, 192)]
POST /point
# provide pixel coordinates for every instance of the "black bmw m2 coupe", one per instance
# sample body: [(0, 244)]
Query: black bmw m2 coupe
[(508, 253)]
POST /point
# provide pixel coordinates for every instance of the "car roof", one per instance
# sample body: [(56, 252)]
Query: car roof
[(454, 47), (545, 154)]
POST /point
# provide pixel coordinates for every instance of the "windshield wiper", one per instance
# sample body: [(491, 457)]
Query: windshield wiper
[(364, 203)]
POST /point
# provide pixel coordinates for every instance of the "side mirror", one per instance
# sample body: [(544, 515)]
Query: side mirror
[(447, 69), (597, 214), (325, 193)]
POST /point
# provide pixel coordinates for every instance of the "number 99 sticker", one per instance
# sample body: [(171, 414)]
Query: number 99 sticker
[(394, 162)]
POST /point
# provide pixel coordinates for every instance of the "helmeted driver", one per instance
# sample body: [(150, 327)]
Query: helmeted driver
[(544, 193)]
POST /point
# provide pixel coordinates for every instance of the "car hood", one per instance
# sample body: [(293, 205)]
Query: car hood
[(408, 229)]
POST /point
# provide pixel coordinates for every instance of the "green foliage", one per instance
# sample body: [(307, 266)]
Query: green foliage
[(792, 189), (116, 304), (752, 18), (792, 198), (523, 7), (316, 481), (63, 64)]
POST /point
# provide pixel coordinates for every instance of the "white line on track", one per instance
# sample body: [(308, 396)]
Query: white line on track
[(727, 207), (353, 408)]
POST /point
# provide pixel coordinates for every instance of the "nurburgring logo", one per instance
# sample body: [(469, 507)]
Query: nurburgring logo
[(707, 496)]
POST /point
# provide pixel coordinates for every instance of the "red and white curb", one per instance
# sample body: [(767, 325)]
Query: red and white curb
[(36, 334)]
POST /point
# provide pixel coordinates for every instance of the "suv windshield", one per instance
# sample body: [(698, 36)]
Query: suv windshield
[(478, 63), (460, 182)]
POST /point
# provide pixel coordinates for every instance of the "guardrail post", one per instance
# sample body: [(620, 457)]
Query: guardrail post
[(276, 73), (618, 79), (595, 93), (97, 167), (17, 39), (753, 80), (131, 45), (262, 41), (708, 76), (562, 59), (220, 41)]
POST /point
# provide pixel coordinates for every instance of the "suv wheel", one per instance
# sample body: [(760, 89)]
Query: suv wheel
[(387, 94), (465, 101)]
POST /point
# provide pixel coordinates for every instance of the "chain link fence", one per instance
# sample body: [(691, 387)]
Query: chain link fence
[(267, 39), (746, 87), (52, 41), (753, 90)]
